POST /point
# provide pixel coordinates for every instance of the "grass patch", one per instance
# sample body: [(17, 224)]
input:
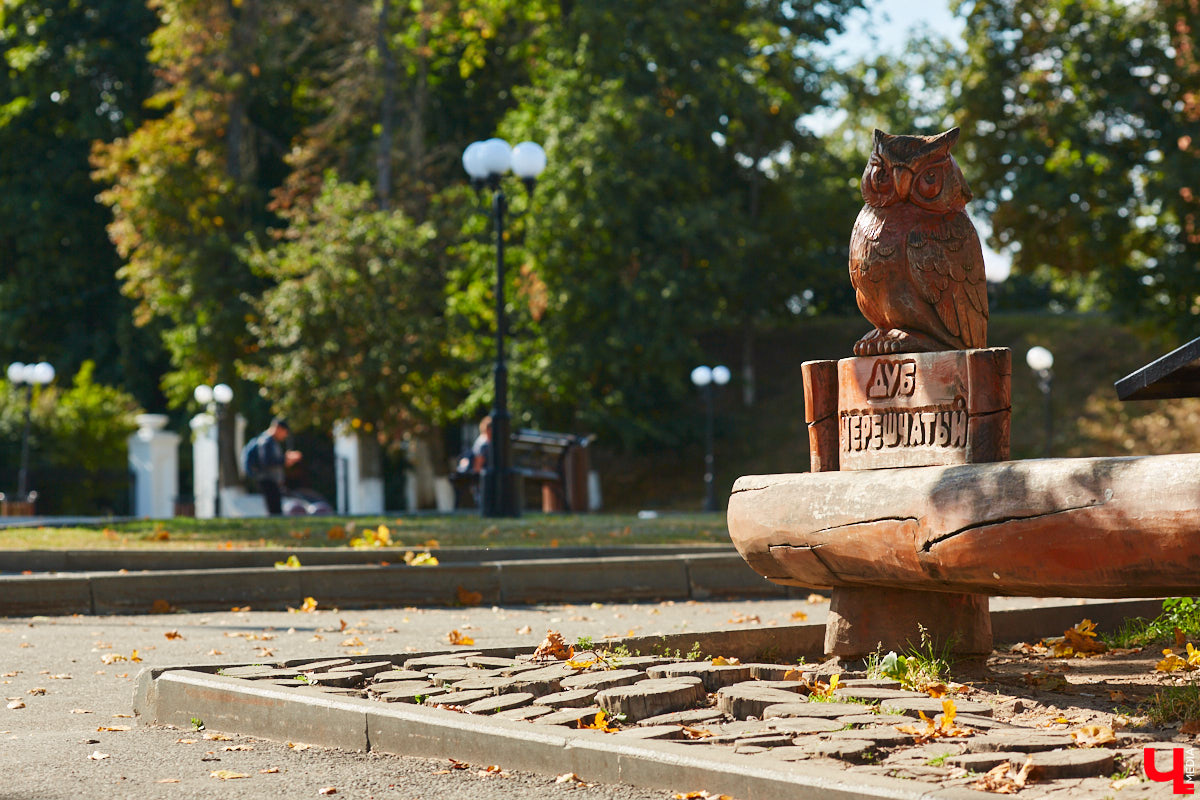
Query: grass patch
[(1174, 704), (919, 667), (1177, 612), (424, 530)]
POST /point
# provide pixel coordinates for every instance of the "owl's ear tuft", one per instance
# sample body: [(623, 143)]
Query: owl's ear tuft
[(880, 136), (948, 139)]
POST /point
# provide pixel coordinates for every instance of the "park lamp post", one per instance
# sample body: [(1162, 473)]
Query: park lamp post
[(705, 378), (215, 399), (1040, 360), (487, 163), (31, 375)]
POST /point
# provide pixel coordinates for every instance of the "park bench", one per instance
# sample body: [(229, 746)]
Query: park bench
[(912, 536), (556, 463)]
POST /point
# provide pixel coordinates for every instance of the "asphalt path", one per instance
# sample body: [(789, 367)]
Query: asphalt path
[(66, 729)]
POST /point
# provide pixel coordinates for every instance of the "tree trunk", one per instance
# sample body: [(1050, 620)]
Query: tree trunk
[(383, 159), (748, 375)]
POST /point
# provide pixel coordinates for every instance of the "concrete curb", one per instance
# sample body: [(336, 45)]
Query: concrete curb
[(110, 560), (177, 695), (696, 576)]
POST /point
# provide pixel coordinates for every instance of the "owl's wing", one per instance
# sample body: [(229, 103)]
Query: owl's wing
[(946, 262), (865, 248)]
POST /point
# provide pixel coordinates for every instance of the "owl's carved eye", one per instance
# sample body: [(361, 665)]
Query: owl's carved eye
[(930, 183), (881, 177)]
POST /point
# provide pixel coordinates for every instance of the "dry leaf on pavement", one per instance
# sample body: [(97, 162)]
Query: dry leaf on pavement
[(97, 756), (173, 635), (1093, 736), (227, 774), (1003, 779), (554, 646), (457, 638), (328, 790)]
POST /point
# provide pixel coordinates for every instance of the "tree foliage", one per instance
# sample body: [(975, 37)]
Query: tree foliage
[(673, 137), (72, 73), (1082, 129), (353, 327)]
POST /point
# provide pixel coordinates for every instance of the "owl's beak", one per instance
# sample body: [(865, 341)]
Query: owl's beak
[(903, 176)]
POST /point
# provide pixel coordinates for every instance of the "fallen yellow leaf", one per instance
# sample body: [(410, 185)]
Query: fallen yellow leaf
[(1093, 736), (228, 774), (173, 635), (799, 616), (457, 638), (722, 661)]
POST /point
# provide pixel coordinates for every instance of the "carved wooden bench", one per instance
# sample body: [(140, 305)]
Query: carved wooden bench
[(904, 545)]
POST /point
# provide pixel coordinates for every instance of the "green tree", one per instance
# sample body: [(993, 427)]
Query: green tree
[(354, 327), (1081, 121), (78, 448), (73, 73), (670, 130)]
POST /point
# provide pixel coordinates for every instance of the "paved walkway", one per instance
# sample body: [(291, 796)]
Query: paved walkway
[(47, 747)]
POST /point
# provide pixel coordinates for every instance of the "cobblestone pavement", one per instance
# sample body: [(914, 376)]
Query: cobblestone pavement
[(977, 737)]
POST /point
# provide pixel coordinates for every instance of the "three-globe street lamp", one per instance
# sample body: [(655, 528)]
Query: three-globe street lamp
[(1040, 360), (705, 378), (215, 399), (31, 375), (487, 163)]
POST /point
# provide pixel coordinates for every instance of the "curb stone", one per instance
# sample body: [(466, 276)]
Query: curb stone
[(681, 576)]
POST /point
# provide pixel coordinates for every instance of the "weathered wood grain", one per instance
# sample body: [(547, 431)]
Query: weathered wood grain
[(1088, 527)]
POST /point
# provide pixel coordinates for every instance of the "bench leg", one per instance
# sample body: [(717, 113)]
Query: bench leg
[(863, 620)]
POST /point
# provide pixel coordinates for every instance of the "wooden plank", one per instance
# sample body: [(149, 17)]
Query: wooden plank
[(1177, 374), (1079, 527)]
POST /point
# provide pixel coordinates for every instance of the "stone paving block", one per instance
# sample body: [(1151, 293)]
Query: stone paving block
[(602, 679), (399, 675), (884, 737), (1053, 764), (538, 687), (448, 675), (873, 694), (320, 666), (569, 716), (861, 720), (787, 753), (853, 750), (649, 698), (765, 740), (524, 712), (652, 732), (808, 709), (490, 662), (340, 679), (929, 706), (574, 698), (798, 687), (440, 660), (495, 684), (1018, 741), (800, 726), (982, 762), (713, 676), (749, 700), (458, 699), (776, 672), (368, 668), (490, 705), (520, 668), (693, 716), (412, 694)]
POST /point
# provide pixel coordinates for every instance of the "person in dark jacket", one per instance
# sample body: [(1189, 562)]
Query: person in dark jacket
[(273, 459)]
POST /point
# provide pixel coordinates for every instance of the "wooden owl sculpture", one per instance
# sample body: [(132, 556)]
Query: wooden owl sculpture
[(915, 260)]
